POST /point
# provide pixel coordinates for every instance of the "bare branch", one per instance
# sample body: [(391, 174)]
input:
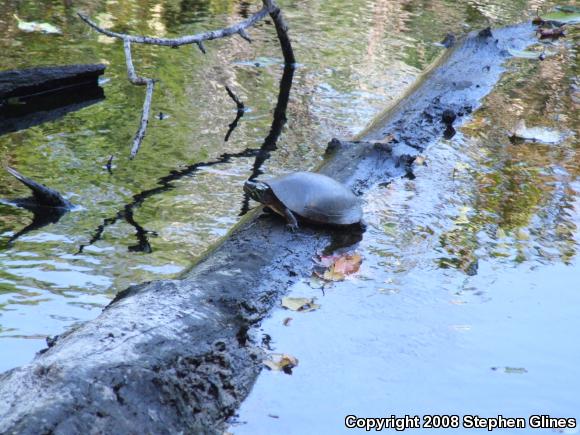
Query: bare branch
[(281, 30), (184, 40), (139, 81), (144, 119), (201, 47)]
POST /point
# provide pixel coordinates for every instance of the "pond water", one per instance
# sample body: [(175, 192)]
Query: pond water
[(467, 299), (507, 211)]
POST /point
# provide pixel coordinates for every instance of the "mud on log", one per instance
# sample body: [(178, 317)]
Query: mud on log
[(179, 355)]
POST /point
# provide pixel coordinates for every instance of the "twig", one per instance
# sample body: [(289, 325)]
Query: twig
[(236, 29), (139, 81)]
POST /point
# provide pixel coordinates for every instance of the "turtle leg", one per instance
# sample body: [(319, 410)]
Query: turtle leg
[(291, 219)]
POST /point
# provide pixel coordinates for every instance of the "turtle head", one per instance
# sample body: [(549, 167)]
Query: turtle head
[(259, 191)]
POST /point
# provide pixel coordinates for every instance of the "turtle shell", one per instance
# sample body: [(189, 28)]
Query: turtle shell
[(317, 198)]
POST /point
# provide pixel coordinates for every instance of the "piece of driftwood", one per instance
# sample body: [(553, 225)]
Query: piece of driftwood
[(34, 81), (31, 97), (269, 8), (178, 356), (47, 205)]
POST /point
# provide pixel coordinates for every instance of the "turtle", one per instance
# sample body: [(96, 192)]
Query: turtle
[(309, 197)]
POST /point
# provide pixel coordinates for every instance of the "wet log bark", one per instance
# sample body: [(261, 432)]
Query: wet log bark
[(179, 355)]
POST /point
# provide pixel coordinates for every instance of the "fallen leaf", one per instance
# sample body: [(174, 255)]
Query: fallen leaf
[(31, 26), (460, 166), (316, 282), (299, 304), (331, 275), (500, 233), (387, 139), (340, 266), (286, 321), (389, 291), (348, 264), (326, 260), (281, 362), (522, 235)]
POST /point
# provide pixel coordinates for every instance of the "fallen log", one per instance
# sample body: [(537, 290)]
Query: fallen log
[(34, 81), (29, 97), (179, 355)]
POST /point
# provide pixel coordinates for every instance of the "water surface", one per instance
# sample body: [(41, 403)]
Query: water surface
[(355, 58)]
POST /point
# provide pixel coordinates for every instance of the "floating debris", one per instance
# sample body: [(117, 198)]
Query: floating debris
[(281, 362), (511, 370), (536, 134), (558, 32), (31, 26), (339, 266), (299, 304)]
